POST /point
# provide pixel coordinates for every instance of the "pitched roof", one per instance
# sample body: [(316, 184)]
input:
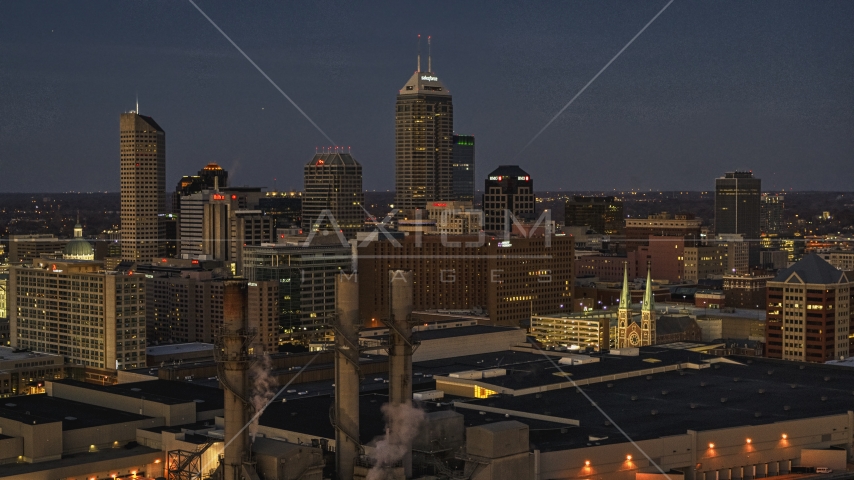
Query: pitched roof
[(813, 269), (509, 171)]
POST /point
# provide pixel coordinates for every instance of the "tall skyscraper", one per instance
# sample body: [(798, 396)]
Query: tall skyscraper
[(143, 187), (507, 190), (463, 171), (771, 219), (333, 183), (424, 126), (603, 214), (737, 208)]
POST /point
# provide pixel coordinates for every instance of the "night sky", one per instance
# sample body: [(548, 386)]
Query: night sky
[(710, 86)]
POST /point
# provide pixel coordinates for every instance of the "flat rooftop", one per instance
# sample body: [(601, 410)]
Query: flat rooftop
[(311, 416), (42, 409), (180, 348), (758, 391), (168, 392), (9, 353)]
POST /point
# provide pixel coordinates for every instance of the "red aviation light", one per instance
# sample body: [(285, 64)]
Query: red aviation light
[(233, 196), (320, 162)]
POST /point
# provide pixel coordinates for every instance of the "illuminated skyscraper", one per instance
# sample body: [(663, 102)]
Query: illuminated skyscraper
[(143, 187), (508, 193), (424, 126), (737, 208), (333, 192)]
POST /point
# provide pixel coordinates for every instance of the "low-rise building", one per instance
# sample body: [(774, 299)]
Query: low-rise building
[(24, 372)]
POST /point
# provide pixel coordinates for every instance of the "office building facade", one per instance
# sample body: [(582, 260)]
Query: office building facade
[(508, 193), (333, 194), (639, 230), (305, 276), (738, 210), (463, 168), (210, 177), (94, 318), (602, 214), (809, 316), (505, 280), (424, 126), (143, 187)]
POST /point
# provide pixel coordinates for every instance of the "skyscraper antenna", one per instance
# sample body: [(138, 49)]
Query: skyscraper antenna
[(429, 56), (419, 53), (137, 104)]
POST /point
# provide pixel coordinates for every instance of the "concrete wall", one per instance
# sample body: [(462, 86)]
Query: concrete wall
[(731, 457), (41, 442), (473, 345), (176, 414), (10, 449), (142, 463), (834, 459), (104, 436)]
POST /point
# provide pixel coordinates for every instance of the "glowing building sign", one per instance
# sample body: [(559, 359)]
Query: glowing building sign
[(429, 78)]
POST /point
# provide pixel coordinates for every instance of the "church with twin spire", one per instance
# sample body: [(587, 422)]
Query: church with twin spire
[(636, 330)]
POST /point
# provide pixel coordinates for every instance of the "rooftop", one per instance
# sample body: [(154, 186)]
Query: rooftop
[(812, 269), (41, 409), (9, 353), (753, 392), (334, 158), (168, 392), (80, 460), (179, 348), (508, 171)]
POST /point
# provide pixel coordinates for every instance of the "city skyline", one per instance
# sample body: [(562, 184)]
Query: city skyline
[(760, 89)]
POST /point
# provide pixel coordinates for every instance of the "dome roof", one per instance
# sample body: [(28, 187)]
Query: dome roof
[(79, 249)]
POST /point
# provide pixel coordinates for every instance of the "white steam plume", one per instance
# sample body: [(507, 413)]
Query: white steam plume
[(263, 388), (402, 424)]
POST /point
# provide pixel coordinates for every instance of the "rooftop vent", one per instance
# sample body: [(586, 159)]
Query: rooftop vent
[(702, 384), (11, 405), (634, 397), (692, 405), (654, 413), (724, 399), (135, 389), (802, 367), (610, 385), (198, 400), (736, 379), (793, 385), (71, 418), (826, 379), (757, 414), (761, 390), (664, 392), (770, 372), (786, 407), (649, 377), (823, 398)]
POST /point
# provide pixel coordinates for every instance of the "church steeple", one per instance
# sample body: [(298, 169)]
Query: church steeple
[(625, 296), (648, 298)]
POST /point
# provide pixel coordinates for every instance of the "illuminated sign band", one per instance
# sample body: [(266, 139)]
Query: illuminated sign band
[(429, 78)]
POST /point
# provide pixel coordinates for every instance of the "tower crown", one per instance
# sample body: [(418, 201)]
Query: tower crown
[(424, 83)]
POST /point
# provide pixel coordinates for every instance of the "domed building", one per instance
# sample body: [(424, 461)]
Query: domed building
[(78, 248)]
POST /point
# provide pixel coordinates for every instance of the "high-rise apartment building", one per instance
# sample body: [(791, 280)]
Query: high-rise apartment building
[(463, 172), (737, 208), (809, 316), (508, 193), (333, 193), (424, 126), (771, 214), (95, 318), (143, 187), (603, 214)]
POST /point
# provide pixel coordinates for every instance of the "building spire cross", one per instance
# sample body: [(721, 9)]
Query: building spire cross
[(648, 298), (625, 295)]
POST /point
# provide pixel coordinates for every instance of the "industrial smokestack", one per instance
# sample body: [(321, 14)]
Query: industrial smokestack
[(400, 346), (233, 363), (347, 374)]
